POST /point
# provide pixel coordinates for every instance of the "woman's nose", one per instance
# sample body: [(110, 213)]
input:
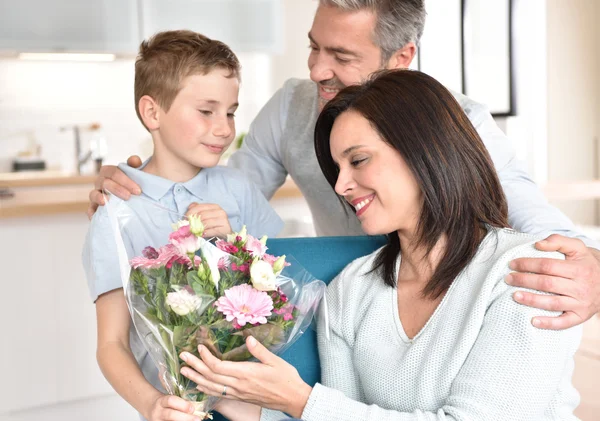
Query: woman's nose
[(344, 184)]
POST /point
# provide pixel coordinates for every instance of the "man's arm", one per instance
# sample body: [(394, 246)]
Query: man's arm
[(260, 158), (576, 280), (111, 178)]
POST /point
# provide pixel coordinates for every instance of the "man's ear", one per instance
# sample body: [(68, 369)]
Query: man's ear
[(402, 58), (149, 111)]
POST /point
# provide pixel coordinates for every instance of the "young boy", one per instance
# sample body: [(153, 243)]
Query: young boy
[(186, 93)]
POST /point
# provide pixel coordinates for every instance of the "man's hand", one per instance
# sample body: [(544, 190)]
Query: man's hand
[(114, 180), (213, 217), (576, 281)]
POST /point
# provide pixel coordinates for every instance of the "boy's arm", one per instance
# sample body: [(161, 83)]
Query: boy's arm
[(114, 355), (121, 369), (260, 158)]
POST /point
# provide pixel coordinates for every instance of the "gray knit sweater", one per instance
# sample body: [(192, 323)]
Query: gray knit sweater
[(477, 358)]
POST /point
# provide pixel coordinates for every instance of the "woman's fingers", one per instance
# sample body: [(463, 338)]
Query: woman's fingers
[(200, 373)]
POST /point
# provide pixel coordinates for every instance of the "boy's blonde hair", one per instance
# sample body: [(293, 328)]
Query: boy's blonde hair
[(166, 58)]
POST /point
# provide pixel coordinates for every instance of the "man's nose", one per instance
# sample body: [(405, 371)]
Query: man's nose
[(320, 69)]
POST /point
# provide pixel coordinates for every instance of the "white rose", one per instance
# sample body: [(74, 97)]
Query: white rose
[(182, 302), (262, 276)]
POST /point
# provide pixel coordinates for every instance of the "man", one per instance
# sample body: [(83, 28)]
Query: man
[(349, 40)]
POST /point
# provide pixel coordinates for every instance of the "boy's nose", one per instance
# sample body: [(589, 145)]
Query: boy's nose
[(222, 128)]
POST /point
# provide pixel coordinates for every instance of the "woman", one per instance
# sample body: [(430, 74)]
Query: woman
[(426, 327)]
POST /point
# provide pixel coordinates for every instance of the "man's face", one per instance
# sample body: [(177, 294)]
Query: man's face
[(342, 51)]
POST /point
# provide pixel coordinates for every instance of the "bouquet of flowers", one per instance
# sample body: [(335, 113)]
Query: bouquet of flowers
[(188, 291)]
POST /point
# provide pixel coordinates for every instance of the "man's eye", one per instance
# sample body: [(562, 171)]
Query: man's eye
[(342, 60), (313, 48)]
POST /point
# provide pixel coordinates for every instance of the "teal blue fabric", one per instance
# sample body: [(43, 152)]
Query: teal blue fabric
[(324, 258)]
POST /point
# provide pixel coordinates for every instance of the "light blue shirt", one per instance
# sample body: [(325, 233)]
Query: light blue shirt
[(143, 224)]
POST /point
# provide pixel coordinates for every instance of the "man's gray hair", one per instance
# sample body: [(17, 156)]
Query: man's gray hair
[(398, 21)]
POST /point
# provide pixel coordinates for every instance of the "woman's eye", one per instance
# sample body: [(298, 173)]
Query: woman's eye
[(230, 115), (357, 162), (206, 112)]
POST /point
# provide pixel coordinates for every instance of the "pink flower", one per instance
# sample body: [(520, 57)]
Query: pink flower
[(184, 240), (150, 253), (153, 258), (226, 247), (222, 263), (269, 258), (255, 247), (286, 311), (244, 304), (244, 268)]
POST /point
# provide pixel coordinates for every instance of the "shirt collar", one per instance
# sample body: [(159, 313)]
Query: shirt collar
[(156, 187)]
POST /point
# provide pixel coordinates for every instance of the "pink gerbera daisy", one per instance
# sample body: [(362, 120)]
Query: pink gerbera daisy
[(243, 304)]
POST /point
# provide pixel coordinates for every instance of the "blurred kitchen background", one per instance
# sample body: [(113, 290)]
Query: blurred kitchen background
[(61, 116)]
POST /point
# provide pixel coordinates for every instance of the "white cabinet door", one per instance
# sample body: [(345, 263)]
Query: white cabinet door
[(245, 25), (28, 351), (69, 25), (79, 376)]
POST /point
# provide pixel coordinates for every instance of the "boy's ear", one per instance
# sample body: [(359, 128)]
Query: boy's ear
[(149, 110)]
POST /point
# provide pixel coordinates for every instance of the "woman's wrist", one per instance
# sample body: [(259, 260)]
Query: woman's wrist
[(297, 404)]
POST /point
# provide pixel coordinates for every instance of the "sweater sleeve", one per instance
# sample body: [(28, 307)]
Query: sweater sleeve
[(259, 158), (528, 209), (512, 373)]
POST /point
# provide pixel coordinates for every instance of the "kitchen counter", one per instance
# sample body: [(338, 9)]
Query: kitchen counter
[(48, 193), (43, 178)]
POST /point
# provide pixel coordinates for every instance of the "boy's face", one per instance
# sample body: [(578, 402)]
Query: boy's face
[(199, 126)]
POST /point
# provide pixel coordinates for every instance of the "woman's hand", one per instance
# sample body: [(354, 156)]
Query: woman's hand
[(270, 383), (213, 217), (171, 408)]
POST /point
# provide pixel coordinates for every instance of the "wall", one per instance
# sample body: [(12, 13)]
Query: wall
[(573, 85), (38, 98)]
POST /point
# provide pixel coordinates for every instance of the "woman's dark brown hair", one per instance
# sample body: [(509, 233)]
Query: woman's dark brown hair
[(461, 191)]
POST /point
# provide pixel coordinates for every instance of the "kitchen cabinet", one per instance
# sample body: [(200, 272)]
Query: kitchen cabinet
[(99, 26), (246, 26), (47, 354), (118, 26)]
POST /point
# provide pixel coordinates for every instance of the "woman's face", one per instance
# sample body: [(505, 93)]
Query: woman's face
[(373, 178)]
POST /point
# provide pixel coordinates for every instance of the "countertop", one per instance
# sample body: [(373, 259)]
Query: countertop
[(53, 192)]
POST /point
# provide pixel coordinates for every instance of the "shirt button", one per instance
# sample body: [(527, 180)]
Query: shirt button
[(178, 189)]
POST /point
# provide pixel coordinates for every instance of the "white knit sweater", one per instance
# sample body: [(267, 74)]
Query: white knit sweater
[(477, 358)]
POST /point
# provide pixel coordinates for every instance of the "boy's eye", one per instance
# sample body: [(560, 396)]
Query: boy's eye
[(206, 112)]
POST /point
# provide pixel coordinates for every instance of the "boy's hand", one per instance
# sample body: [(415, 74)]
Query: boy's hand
[(171, 408), (114, 180), (214, 218)]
